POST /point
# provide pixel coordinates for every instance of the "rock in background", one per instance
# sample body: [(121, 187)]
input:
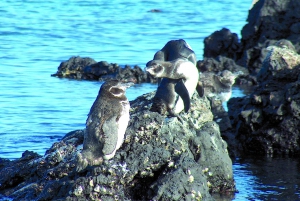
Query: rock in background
[(160, 159), (88, 69), (268, 119), (268, 21), (260, 123)]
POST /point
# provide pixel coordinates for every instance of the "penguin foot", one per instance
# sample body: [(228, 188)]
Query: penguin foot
[(177, 116), (83, 161)]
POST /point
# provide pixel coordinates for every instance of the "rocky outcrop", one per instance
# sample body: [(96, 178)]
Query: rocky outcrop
[(221, 43), (161, 158), (268, 120), (220, 53), (268, 22), (88, 69)]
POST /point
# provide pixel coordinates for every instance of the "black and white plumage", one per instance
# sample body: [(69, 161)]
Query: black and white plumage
[(106, 124), (166, 96), (182, 70), (170, 91)]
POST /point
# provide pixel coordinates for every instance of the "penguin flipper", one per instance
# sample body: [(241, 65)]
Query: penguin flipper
[(200, 89), (110, 131), (182, 91)]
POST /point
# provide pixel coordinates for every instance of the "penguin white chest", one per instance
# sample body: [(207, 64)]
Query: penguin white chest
[(123, 123), (188, 71)]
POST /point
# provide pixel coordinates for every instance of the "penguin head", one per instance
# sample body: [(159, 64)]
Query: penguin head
[(115, 88), (227, 78), (155, 68)]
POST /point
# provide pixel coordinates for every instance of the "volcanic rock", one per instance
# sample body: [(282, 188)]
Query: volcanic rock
[(161, 158), (267, 121), (88, 69)]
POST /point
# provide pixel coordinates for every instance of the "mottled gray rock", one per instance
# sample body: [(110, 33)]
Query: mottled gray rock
[(161, 158), (221, 63), (267, 121), (281, 57), (268, 21)]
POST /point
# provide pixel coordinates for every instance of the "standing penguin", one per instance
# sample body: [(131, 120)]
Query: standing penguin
[(172, 94), (175, 49), (186, 74), (106, 124)]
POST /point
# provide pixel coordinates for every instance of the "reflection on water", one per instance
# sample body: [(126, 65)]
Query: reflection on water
[(267, 178), (261, 178)]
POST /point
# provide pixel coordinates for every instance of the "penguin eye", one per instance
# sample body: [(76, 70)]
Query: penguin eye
[(116, 91)]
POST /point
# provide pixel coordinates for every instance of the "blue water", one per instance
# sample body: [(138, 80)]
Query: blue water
[(35, 36)]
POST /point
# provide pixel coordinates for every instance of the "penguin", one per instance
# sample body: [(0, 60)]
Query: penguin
[(166, 96), (175, 49), (106, 124), (186, 74), (219, 85)]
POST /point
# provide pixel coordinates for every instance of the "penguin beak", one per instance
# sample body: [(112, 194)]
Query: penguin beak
[(154, 68), (149, 67), (150, 70)]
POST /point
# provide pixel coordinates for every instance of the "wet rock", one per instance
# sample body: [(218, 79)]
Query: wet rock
[(88, 69), (267, 121), (220, 114), (218, 64), (161, 158)]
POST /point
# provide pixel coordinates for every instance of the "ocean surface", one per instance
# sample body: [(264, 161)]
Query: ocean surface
[(35, 36)]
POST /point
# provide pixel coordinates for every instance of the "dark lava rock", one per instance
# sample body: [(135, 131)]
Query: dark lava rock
[(267, 121), (268, 22), (161, 158), (218, 64), (221, 63), (89, 69), (222, 43), (73, 67)]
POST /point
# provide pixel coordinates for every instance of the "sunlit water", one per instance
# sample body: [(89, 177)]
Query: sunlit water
[(35, 36)]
